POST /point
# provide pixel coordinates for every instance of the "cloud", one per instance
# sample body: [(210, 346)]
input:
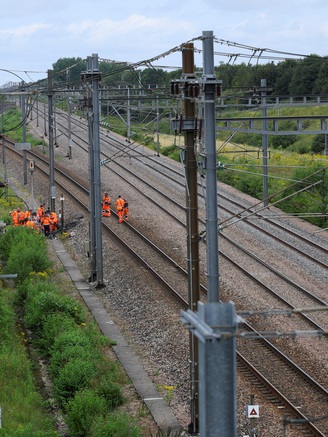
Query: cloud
[(24, 31), (104, 31)]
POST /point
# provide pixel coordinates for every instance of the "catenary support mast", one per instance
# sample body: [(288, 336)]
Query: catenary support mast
[(188, 76), (214, 323), (92, 76), (51, 123)]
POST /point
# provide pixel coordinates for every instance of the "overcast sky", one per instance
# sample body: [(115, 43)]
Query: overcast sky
[(34, 34)]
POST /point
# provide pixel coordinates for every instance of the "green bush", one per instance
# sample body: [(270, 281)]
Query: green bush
[(8, 238), (83, 410), (172, 152), (282, 141), (70, 345), (318, 144), (53, 326), (250, 184), (115, 425), (30, 287), (70, 339), (24, 259), (24, 251), (74, 376), (110, 391), (39, 306)]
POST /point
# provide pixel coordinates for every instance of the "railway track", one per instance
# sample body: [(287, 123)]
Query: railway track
[(174, 267), (234, 211)]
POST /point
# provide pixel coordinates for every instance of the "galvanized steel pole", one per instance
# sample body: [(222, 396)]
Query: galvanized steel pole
[(23, 102), (92, 230), (93, 75), (265, 142), (211, 168), (217, 358), (96, 162), (69, 111), (51, 142)]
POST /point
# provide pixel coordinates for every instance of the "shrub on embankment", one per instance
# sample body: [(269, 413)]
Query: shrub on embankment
[(86, 383)]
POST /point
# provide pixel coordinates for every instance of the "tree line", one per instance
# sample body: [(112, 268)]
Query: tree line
[(292, 77), (307, 76), (67, 71)]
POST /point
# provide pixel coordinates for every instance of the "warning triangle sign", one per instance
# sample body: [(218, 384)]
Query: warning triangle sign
[(253, 411)]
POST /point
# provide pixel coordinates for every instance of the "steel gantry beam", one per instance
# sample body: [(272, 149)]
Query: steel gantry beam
[(274, 127)]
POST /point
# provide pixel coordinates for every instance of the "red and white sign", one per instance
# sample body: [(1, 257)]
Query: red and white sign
[(253, 411)]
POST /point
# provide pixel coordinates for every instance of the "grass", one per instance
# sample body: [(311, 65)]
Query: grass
[(23, 409)]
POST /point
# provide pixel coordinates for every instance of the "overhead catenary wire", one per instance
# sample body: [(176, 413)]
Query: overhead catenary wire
[(251, 53)]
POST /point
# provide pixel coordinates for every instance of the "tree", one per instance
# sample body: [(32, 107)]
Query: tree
[(318, 143), (112, 72), (282, 141), (321, 84), (68, 71), (284, 72), (305, 75), (154, 77)]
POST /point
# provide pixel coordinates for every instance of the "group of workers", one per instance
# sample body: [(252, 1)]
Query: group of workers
[(48, 221), (43, 220), (122, 207)]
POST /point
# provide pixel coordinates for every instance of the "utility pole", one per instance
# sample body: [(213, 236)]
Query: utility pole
[(92, 225), (189, 76), (3, 142), (189, 88), (37, 111), (93, 75), (128, 116), (214, 323), (69, 148), (265, 141), (51, 142), (157, 127), (23, 103)]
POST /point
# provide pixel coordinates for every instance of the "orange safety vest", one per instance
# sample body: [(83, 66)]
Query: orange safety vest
[(106, 202), (31, 224), (119, 203), (14, 216), (40, 211), (45, 221), (21, 217)]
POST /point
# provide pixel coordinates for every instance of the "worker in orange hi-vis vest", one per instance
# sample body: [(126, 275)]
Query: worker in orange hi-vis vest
[(126, 211), (119, 208), (45, 222), (105, 205), (31, 224), (14, 217), (53, 221), (21, 218), (28, 213), (40, 212)]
